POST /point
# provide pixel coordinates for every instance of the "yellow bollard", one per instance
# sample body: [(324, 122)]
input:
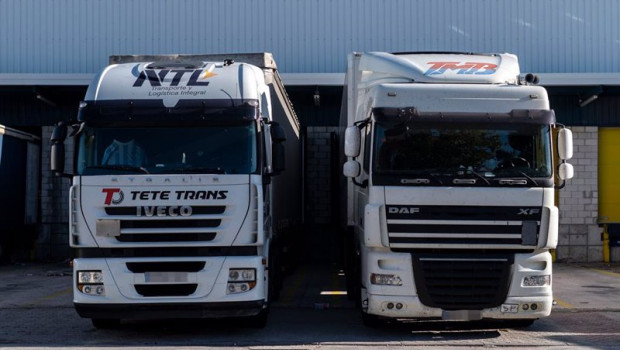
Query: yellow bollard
[(605, 244)]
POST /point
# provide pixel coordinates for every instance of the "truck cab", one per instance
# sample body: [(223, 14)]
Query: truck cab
[(174, 203), (450, 198)]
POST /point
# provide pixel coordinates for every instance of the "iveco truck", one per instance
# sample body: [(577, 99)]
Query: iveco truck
[(186, 180), (451, 180)]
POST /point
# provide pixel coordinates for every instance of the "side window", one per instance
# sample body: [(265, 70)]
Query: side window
[(264, 106), (367, 141)]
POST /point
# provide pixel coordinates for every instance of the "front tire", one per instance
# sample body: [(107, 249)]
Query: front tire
[(372, 321), (257, 321), (106, 323)]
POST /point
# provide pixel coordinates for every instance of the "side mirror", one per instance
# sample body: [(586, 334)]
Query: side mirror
[(278, 158), (277, 133), (566, 171), (57, 152), (352, 141), (351, 168), (565, 144)]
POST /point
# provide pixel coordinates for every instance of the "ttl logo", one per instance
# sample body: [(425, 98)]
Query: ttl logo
[(113, 195)]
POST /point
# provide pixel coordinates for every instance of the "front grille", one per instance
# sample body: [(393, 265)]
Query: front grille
[(433, 226), (167, 237), (169, 223), (167, 266), (196, 210), (201, 224), (166, 290), (462, 282)]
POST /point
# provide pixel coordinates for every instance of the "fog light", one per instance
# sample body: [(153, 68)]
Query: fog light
[(399, 306), (537, 281), (241, 280), (234, 288), (390, 306), (90, 282), (382, 279), (534, 307), (525, 307)]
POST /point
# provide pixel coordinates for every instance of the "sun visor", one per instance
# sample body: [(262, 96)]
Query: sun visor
[(390, 117)]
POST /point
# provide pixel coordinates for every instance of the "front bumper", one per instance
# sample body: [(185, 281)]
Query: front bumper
[(403, 301), (512, 308), (170, 310), (127, 289)]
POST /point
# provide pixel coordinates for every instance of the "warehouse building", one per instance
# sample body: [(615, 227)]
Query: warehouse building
[(50, 50)]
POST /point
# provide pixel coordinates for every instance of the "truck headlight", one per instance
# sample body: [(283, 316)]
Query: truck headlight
[(241, 280), (90, 282), (383, 279), (537, 281)]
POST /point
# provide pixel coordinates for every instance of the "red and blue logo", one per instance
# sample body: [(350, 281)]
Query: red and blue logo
[(473, 68)]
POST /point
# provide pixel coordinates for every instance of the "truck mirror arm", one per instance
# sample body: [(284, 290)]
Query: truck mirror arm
[(362, 184)]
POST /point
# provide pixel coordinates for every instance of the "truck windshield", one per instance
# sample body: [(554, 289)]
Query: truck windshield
[(168, 150), (480, 151)]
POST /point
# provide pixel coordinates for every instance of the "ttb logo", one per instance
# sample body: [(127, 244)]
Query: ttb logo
[(113, 196), (475, 68)]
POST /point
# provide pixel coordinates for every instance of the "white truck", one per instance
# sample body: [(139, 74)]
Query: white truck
[(180, 197), (450, 192)]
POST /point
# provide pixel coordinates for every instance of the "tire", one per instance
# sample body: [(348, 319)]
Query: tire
[(106, 323), (372, 321), (522, 323), (275, 274), (258, 321)]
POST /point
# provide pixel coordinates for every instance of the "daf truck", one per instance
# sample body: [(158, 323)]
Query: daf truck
[(451, 182), (186, 181)]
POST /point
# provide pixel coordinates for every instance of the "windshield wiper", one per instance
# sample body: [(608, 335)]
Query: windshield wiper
[(421, 179), (469, 171), (122, 167), (516, 181)]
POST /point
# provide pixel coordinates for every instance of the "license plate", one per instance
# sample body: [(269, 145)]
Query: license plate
[(510, 308), (164, 277)]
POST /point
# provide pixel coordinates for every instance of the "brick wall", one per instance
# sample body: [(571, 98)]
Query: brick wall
[(53, 241), (319, 204), (579, 235)]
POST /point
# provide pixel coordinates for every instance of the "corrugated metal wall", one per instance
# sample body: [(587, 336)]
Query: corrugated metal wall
[(77, 36)]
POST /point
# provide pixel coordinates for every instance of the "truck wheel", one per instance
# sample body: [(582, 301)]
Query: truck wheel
[(106, 323), (372, 321), (275, 275), (522, 323), (257, 321)]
